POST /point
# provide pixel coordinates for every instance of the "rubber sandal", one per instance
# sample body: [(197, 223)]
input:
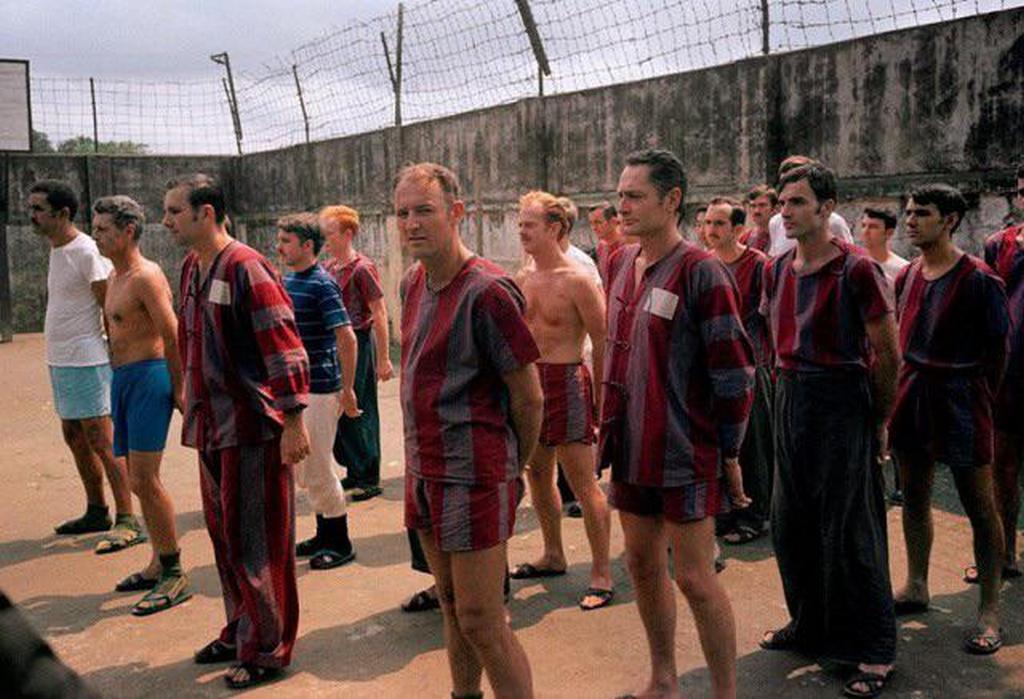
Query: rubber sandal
[(245, 675), (136, 582), (170, 592), (971, 574), (605, 597), (86, 524), (308, 547), (876, 684), (742, 534), (325, 559), (905, 607), (780, 639), (984, 642), (215, 651), (528, 571), (119, 538), (422, 601), (364, 492)]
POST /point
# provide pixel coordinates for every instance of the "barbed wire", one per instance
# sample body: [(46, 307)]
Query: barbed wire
[(457, 56)]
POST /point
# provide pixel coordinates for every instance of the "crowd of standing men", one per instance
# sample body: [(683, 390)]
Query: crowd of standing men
[(754, 381)]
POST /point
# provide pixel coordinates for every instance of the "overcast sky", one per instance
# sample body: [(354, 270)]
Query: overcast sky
[(159, 38)]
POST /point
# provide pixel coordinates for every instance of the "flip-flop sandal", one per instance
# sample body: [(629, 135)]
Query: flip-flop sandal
[(422, 601), (984, 642), (246, 675), (971, 574), (905, 607), (136, 582), (742, 534), (875, 684), (308, 547), (528, 571), (119, 538), (168, 593), (216, 651), (325, 559), (780, 639), (605, 598)]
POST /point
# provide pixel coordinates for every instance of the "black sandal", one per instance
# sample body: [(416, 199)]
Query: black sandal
[(422, 601), (742, 534), (215, 651), (245, 675), (325, 559), (780, 639), (875, 684)]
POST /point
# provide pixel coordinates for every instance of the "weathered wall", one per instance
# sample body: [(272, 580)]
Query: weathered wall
[(942, 102)]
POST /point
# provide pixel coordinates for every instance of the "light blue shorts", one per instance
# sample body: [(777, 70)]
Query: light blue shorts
[(81, 392)]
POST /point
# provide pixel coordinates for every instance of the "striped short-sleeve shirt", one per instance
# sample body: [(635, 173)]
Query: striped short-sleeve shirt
[(360, 286), (1004, 253), (318, 311), (748, 273), (678, 373), (818, 319), (456, 344)]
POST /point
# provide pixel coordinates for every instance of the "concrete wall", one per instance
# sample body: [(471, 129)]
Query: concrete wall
[(943, 102)]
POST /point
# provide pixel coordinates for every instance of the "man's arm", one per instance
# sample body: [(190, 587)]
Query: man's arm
[(99, 292), (882, 336), (348, 350), (159, 303), (526, 402), (381, 339), (590, 305)]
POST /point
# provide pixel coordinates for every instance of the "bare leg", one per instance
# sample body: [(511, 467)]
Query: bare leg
[(647, 560), (693, 545), (157, 508), (548, 505), (89, 468), (917, 472), (976, 493), (578, 465), (1007, 487), (99, 432)]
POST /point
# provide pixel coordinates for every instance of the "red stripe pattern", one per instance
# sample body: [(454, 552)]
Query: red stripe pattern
[(360, 285), (568, 404)]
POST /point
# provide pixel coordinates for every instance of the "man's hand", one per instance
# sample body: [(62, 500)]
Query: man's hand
[(882, 433), (347, 403), (294, 439), (385, 370)]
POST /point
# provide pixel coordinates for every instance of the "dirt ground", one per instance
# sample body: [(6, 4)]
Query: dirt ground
[(354, 641)]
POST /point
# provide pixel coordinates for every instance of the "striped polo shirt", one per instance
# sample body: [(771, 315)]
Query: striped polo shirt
[(748, 272), (360, 286), (318, 311), (1005, 255)]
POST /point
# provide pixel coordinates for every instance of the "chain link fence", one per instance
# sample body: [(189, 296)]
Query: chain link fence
[(436, 58)]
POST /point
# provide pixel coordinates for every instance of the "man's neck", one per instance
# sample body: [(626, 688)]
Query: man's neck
[(938, 257), (302, 265), (549, 257), (815, 246), (130, 259), (210, 247), (614, 239), (880, 255), (346, 255), (64, 236), (730, 252), (656, 246), (442, 268)]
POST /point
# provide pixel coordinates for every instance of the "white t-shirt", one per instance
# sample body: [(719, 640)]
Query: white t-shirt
[(893, 265), (781, 244), (586, 261), (74, 321)]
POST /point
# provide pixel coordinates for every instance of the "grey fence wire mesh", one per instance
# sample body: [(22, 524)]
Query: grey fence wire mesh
[(457, 55)]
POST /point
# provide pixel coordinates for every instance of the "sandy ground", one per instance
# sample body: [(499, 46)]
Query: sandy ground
[(354, 641)]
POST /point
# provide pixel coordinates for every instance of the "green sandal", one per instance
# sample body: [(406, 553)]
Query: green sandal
[(124, 534), (169, 592)]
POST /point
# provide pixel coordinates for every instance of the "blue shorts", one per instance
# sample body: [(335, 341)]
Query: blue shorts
[(143, 402), (81, 392)]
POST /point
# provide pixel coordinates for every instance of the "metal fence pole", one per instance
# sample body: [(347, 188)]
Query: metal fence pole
[(229, 89), (766, 46), (302, 102), (95, 122), (395, 75)]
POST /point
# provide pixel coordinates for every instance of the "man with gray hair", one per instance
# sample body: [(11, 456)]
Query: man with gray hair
[(147, 385)]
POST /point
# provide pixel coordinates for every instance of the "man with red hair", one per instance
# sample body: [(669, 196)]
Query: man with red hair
[(357, 445)]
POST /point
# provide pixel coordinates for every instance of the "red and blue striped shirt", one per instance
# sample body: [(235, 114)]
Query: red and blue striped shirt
[(360, 286), (1004, 253)]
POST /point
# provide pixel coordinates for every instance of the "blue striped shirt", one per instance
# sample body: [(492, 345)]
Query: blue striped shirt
[(318, 311)]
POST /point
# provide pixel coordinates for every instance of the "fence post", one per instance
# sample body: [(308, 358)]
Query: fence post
[(395, 74), (302, 102), (229, 89), (543, 68), (766, 46), (95, 123)]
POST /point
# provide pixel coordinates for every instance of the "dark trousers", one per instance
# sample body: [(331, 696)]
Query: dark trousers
[(357, 442), (757, 455), (419, 558), (828, 517)]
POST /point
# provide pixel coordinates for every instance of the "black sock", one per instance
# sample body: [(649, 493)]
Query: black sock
[(170, 564), (321, 529), (336, 539)]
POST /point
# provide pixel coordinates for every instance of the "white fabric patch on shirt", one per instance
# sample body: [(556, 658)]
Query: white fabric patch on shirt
[(662, 303), (220, 292)]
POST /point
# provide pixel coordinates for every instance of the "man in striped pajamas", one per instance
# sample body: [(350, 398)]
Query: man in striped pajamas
[(678, 384), (246, 384), (471, 404)]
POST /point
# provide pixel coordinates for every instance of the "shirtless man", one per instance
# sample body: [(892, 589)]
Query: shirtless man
[(563, 306), (146, 388)]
